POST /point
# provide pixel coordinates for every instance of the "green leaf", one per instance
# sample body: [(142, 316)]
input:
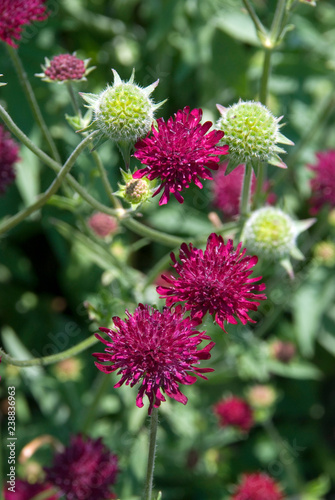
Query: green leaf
[(296, 369)]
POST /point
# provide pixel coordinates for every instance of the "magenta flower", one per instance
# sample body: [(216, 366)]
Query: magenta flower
[(17, 13), (214, 281), (65, 67), (103, 224), (236, 412), (257, 486), (156, 349), (27, 491), (179, 152), (323, 184), (85, 470), (8, 156)]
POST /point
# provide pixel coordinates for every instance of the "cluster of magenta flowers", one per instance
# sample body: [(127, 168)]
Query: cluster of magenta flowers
[(159, 350), (8, 157), (323, 182), (15, 14)]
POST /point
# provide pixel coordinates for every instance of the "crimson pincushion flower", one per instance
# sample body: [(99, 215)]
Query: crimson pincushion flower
[(215, 280), (85, 470), (65, 68), (234, 411), (14, 14), (257, 486), (103, 224), (323, 184), (8, 156), (179, 152), (157, 350), (26, 491)]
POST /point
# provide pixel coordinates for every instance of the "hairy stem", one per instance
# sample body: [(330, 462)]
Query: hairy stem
[(246, 192), (151, 454), (53, 188), (32, 101), (54, 358)]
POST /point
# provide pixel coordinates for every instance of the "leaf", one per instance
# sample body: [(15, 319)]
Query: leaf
[(28, 175), (239, 26), (297, 370)]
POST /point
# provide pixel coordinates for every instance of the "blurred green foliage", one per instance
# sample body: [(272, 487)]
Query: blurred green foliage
[(52, 274)]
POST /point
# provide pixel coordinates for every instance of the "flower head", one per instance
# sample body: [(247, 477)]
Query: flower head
[(14, 14), (8, 156), (84, 470), (215, 281), (323, 184), (65, 68), (252, 134), (257, 486), (103, 224), (262, 396), (124, 111), (234, 411), (156, 349), (324, 253), (179, 152), (272, 234), (26, 491)]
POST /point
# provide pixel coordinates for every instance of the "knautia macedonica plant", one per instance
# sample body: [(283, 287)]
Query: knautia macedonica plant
[(65, 68), (272, 234), (252, 134), (123, 112)]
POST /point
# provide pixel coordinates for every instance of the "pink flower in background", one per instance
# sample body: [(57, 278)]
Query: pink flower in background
[(157, 350), (179, 153), (215, 280), (65, 67), (14, 14), (258, 486), (236, 412), (227, 189), (8, 156), (103, 224), (85, 470), (27, 491), (323, 183)]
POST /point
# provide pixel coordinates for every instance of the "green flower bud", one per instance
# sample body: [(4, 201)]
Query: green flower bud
[(124, 111), (135, 191), (271, 233), (252, 134)]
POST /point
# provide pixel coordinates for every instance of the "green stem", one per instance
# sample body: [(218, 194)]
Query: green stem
[(151, 454), (263, 93), (258, 25), (163, 238), (32, 101), (53, 188), (54, 358), (108, 188), (246, 191), (73, 98), (259, 185), (277, 23)]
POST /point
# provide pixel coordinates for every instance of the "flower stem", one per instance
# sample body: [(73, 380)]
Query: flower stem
[(246, 191), (53, 188), (151, 454), (102, 386), (263, 93), (277, 23), (108, 188), (32, 101), (54, 358), (73, 99), (163, 238), (258, 25)]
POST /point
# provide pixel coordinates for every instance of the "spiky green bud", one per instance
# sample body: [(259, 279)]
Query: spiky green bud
[(252, 134), (124, 111), (271, 233)]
